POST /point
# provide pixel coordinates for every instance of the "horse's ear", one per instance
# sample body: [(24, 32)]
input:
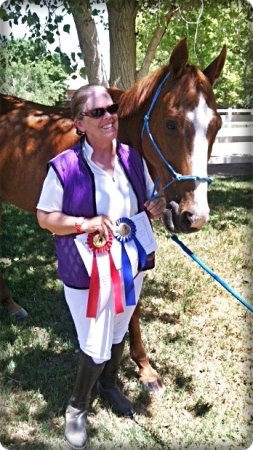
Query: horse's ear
[(214, 70), (179, 58), (115, 93)]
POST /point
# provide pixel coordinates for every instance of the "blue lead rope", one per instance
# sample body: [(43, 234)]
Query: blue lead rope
[(210, 272)]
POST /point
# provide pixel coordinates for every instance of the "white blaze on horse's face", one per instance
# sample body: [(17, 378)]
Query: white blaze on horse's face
[(200, 118)]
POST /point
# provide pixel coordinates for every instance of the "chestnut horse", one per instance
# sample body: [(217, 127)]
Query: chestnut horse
[(169, 116)]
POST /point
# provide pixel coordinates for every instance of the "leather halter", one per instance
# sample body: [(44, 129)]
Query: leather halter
[(176, 176)]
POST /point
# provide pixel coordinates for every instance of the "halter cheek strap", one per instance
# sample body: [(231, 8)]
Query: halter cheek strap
[(175, 176)]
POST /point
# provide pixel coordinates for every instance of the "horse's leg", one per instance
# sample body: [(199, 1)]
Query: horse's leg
[(8, 303), (6, 299), (148, 375)]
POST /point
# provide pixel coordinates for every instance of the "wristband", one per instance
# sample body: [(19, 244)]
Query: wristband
[(78, 225)]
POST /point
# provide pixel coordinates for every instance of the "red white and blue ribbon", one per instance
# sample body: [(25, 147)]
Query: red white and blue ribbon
[(125, 232), (101, 246)]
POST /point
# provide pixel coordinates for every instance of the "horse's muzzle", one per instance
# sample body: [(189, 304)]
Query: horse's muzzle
[(177, 221)]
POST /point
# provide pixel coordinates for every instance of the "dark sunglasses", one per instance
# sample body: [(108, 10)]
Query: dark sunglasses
[(96, 113)]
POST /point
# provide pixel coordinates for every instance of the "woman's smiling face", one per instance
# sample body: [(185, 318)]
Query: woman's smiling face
[(98, 128)]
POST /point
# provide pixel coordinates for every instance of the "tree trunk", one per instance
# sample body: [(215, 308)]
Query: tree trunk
[(89, 44), (122, 36), (121, 18)]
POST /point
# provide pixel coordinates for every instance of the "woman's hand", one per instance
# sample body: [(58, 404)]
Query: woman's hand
[(98, 223), (156, 207)]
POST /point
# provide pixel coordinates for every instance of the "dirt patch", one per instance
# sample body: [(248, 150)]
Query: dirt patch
[(230, 170)]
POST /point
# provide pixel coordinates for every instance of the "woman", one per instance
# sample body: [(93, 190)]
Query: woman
[(87, 189)]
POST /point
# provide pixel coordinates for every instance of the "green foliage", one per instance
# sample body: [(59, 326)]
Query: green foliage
[(207, 25), (221, 22), (45, 32), (30, 72)]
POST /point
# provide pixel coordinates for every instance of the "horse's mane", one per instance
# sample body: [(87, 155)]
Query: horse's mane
[(142, 90)]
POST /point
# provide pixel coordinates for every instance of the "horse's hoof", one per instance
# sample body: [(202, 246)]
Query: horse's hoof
[(155, 388), (21, 314)]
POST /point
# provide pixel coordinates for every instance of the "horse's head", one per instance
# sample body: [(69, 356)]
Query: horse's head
[(174, 112)]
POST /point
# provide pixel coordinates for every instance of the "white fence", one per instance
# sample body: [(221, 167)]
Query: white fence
[(234, 141)]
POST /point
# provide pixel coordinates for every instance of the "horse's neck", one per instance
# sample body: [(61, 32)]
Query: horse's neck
[(130, 131)]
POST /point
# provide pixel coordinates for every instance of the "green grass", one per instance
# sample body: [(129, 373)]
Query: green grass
[(197, 336)]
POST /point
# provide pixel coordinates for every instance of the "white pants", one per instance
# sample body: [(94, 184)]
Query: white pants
[(96, 336)]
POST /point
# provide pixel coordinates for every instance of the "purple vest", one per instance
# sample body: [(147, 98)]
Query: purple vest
[(79, 200)]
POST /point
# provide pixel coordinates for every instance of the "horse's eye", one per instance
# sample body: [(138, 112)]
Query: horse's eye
[(171, 125)]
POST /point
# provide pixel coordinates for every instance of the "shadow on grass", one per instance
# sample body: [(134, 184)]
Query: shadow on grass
[(32, 279), (230, 200), (201, 408), (232, 192), (15, 444), (44, 372)]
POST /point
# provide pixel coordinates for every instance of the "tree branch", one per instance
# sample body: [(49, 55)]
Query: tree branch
[(158, 35)]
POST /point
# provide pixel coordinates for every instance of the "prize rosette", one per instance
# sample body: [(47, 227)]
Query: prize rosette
[(125, 232), (100, 246)]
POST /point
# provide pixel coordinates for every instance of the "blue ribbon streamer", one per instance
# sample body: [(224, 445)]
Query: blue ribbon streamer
[(128, 278), (210, 272), (142, 255)]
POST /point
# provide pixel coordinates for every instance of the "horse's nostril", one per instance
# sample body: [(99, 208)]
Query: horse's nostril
[(187, 218)]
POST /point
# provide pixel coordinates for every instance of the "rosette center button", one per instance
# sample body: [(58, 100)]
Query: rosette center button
[(98, 241), (124, 229)]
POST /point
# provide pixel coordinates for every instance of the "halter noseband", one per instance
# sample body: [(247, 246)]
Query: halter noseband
[(176, 176)]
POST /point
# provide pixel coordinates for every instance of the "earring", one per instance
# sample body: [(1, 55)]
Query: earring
[(79, 132)]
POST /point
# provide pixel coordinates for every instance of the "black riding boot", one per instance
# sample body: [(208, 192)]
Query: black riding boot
[(107, 384), (76, 412)]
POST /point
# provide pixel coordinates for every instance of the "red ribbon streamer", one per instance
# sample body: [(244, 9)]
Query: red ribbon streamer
[(116, 286), (94, 279), (94, 290)]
